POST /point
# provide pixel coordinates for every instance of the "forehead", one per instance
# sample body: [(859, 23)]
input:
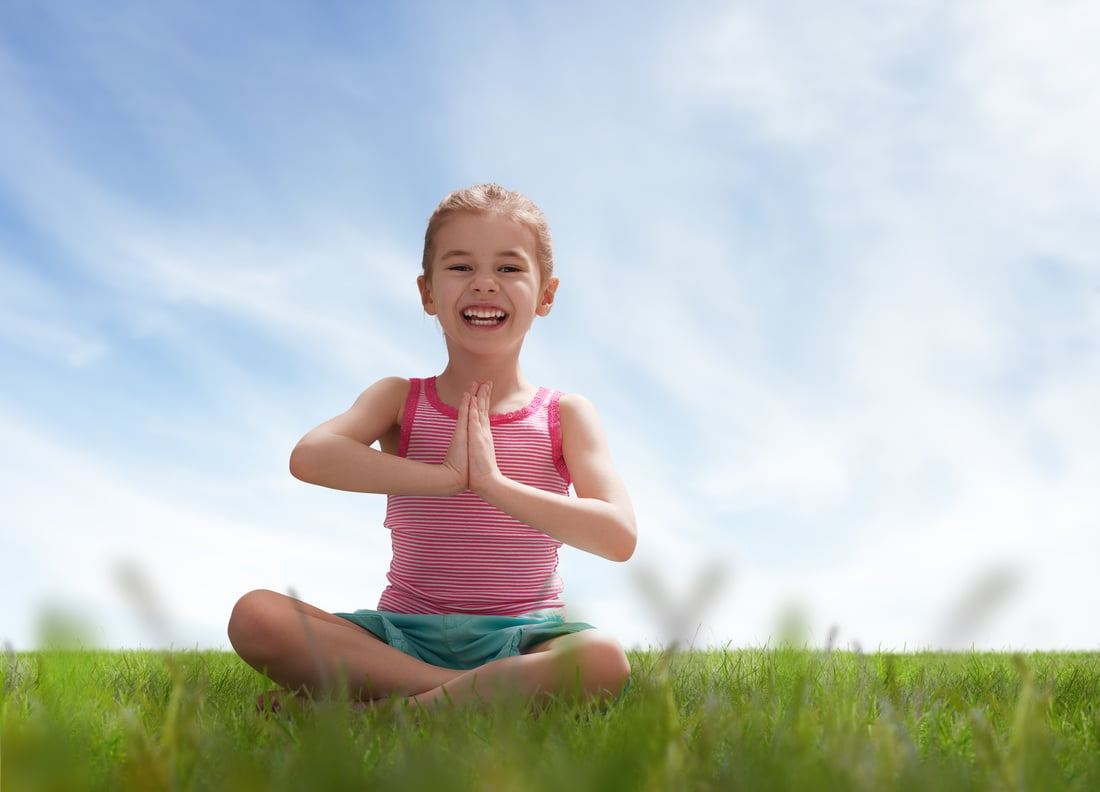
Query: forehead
[(484, 234)]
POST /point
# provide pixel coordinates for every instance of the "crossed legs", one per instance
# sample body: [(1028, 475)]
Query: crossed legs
[(306, 649)]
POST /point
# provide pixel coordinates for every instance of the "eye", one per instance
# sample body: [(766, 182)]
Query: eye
[(459, 267)]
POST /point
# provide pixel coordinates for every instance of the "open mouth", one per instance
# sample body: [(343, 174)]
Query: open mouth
[(484, 317)]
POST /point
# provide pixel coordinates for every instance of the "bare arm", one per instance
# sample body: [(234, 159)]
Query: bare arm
[(339, 452), (599, 520)]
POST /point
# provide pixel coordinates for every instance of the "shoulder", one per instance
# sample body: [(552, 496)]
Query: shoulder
[(578, 417), (573, 405), (386, 395), (389, 387), (374, 414)]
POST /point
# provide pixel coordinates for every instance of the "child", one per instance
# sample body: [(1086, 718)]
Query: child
[(476, 463)]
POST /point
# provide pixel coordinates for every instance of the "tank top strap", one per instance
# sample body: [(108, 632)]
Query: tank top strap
[(408, 416)]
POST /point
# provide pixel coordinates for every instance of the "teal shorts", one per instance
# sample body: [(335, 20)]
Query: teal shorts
[(463, 641)]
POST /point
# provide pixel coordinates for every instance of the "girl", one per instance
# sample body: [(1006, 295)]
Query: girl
[(476, 463)]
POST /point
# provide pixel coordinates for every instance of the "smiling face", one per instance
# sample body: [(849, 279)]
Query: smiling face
[(484, 283)]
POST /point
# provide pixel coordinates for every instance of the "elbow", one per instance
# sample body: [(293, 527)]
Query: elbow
[(624, 550), (627, 552), (303, 462)]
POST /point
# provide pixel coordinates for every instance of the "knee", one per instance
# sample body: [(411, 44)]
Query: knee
[(603, 664), (253, 622)]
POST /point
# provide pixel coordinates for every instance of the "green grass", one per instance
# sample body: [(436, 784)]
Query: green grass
[(737, 719)]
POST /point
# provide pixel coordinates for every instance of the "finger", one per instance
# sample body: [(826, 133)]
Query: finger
[(484, 396), (478, 421), (462, 427), (458, 453), (479, 414)]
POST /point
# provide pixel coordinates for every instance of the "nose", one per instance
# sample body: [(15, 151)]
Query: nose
[(485, 281)]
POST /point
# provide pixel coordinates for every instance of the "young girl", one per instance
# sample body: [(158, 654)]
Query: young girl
[(476, 463)]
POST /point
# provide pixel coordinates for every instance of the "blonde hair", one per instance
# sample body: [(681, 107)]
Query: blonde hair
[(484, 198)]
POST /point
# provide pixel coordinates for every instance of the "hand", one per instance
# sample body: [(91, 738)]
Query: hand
[(471, 456), (457, 460), (482, 466)]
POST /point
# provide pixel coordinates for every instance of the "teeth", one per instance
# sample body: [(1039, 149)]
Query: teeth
[(484, 316), (484, 313)]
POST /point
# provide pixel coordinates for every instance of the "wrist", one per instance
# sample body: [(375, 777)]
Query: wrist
[(449, 481), (489, 486)]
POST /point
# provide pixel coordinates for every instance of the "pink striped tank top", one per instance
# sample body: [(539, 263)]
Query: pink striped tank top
[(458, 554)]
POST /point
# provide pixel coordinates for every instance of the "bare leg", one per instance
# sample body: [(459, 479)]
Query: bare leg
[(304, 648), (589, 664)]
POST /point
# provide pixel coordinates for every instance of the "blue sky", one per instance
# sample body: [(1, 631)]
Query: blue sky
[(830, 276)]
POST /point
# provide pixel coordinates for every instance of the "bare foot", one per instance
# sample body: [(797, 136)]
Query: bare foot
[(272, 700)]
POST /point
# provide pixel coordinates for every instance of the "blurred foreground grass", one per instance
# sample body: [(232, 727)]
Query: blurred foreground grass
[(734, 719)]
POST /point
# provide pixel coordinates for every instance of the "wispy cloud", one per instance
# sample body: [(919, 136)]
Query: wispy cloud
[(829, 276), (901, 389)]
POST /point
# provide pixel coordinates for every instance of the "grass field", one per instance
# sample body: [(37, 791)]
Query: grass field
[(736, 719)]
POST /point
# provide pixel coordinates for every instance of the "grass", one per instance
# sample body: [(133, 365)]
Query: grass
[(735, 719)]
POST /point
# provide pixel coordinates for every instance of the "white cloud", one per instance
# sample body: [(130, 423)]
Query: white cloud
[(1031, 68), (931, 235), (36, 318), (85, 519), (827, 274)]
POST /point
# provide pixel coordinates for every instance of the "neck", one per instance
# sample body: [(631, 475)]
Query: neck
[(503, 371)]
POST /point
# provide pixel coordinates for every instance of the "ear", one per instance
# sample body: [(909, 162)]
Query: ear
[(549, 289), (426, 300)]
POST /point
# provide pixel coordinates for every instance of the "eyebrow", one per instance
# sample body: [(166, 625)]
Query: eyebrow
[(502, 254)]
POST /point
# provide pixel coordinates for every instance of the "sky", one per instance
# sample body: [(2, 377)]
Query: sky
[(830, 275)]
